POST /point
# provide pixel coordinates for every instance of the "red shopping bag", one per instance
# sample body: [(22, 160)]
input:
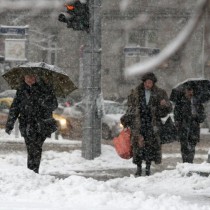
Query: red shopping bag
[(122, 144)]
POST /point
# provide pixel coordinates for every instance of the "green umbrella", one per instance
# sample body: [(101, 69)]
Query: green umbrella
[(51, 74)]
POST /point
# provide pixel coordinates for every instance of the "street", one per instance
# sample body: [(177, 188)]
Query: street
[(170, 153)]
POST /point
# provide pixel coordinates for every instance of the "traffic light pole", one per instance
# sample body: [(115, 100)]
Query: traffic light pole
[(92, 98)]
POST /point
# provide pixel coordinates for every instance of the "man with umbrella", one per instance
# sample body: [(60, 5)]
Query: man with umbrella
[(35, 100), (33, 106), (188, 114)]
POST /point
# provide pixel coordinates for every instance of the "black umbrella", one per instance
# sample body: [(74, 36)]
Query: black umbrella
[(200, 86), (60, 81)]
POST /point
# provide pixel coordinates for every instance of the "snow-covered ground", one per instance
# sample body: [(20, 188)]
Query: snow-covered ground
[(21, 189)]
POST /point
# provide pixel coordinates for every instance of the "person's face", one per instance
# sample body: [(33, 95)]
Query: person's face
[(188, 93), (148, 84), (29, 79)]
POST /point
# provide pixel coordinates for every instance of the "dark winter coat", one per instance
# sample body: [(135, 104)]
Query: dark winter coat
[(145, 120), (188, 124), (33, 106)]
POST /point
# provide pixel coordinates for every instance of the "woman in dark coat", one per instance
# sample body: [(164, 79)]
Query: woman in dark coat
[(33, 106), (147, 104), (188, 114)]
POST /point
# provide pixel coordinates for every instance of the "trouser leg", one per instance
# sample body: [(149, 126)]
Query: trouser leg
[(34, 150), (184, 152), (137, 159), (191, 153), (139, 169), (188, 152), (148, 164)]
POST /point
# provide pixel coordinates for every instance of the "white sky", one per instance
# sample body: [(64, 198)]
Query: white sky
[(21, 189)]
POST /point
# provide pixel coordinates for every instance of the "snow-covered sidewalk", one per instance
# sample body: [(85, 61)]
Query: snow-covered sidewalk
[(21, 189)]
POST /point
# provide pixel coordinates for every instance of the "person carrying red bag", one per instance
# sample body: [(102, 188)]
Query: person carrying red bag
[(147, 104)]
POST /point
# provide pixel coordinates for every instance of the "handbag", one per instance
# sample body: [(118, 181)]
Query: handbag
[(47, 126), (122, 144), (168, 132)]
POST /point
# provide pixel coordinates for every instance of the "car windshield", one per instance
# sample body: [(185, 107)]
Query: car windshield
[(109, 107), (8, 93), (114, 108)]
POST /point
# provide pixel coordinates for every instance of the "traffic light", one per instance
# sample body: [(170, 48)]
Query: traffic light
[(76, 16)]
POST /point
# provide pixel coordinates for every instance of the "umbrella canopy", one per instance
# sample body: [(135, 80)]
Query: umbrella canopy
[(200, 86), (60, 81)]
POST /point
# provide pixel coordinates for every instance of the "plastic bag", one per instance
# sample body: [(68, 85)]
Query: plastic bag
[(122, 144)]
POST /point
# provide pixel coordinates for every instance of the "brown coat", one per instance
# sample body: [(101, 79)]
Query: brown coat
[(133, 118)]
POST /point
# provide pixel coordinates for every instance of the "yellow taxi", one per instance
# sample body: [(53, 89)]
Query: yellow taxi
[(64, 126)]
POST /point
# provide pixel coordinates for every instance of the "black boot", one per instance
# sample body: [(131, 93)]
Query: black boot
[(148, 172), (139, 170)]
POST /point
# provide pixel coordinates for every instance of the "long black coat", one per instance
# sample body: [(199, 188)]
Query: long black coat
[(33, 106), (188, 125), (145, 120)]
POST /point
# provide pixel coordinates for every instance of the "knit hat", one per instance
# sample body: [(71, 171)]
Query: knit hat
[(150, 76)]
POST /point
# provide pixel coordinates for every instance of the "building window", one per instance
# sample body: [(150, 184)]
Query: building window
[(151, 38), (137, 37), (143, 37)]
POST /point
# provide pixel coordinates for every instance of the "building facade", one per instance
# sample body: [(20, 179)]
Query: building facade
[(150, 24)]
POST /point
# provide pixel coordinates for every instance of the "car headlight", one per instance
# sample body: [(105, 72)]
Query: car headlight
[(121, 126), (63, 123)]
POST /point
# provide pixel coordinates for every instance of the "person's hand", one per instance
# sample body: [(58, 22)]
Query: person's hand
[(163, 102), (124, 120), (141, 141)]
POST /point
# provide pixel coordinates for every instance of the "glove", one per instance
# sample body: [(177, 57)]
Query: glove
[(8, 130), (125, 121), (141, 141)]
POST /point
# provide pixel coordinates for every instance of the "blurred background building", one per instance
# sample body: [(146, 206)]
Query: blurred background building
[(128, 28)]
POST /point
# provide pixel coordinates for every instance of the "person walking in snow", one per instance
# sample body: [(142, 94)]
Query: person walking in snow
[(147, 104), (188, 114), (33, 106)]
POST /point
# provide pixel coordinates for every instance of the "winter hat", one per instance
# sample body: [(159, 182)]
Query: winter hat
[(150, 76)]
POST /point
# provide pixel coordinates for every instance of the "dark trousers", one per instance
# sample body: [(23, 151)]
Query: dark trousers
[(34, 149), (187, 151)]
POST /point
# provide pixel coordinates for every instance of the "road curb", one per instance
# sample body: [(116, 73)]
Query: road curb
[(20, 146)]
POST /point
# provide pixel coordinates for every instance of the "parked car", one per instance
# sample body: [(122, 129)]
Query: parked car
[(63, 123), (8, 94), (111, 125), (5, 103)]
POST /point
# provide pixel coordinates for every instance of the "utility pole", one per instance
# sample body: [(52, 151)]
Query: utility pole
[(91, 143), (86, 16)]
